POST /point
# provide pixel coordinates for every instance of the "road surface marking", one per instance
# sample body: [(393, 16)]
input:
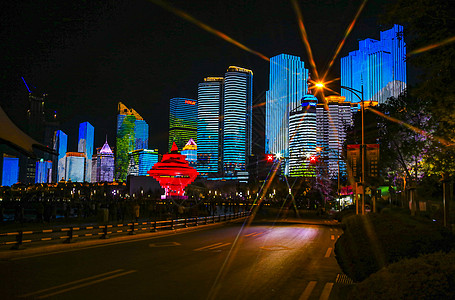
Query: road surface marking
[(307, 292), (326, 291), (222, 245), (202, 248), (250, 234), (332, 237), (343, 278), (86, 284), (327, 254), (275, 248), (69, 283), (258, 234), (164, 244)]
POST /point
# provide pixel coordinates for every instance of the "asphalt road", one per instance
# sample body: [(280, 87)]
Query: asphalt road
[(264, 260)]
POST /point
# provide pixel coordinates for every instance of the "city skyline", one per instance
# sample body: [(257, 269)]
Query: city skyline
[(90, 61)]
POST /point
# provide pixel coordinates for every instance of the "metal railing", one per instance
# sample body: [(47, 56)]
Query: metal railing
[(68, 234)]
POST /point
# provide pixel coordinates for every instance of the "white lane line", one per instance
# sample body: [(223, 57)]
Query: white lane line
[(327, 254), (69, 283), (219, 246), (86, 284), (326, 291), (205, 247), (307, 292)]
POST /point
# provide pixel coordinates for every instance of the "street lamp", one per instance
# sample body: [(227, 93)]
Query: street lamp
[(358, 94)]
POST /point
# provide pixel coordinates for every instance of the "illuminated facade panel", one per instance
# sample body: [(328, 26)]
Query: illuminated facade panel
[(209, 127), (302, 138), (75, 166), (60, 146), (43, 171), (237, 120), (287, 86), (105, 164), (190, 153), (141, 134), (10, 170), (141, 161), (182, 121), (378, 65), (85, 145)]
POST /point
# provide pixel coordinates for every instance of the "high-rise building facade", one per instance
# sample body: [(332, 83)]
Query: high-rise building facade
[(379, 67), (141, 161), (43, 171), (209, 126), (104, 164), (237, 120), (302, 138), (190, 152), (75, 166), (287, 86), (182, 121), (9, 169), (58, 164), (132, 134), (85, 145)]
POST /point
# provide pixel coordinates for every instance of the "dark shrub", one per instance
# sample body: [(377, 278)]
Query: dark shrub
[(430, 276), (373, 241)]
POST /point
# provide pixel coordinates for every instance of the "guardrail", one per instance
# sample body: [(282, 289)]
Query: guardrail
[(67, 234)]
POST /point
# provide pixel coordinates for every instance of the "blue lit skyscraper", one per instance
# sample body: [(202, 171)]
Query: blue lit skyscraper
[(10, 170), (60, 146), (141, 161), (85, 145), (141, 133), (75, 166), (182, 121), (209, 127), (287, 86), (379, 66), (237, 121), (43, 171)]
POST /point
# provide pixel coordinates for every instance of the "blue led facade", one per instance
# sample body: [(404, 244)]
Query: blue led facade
[(10, 170), (237, 121), (182, 121), (141, 133), (287, 86), (85, 145), (141, 161), (43, 173), (379, 66), (209, 129), (75, 166), (61, 147)]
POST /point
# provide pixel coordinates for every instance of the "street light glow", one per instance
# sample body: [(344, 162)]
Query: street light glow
[(319, 84)]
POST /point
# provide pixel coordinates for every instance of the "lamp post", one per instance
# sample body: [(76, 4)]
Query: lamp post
[(358, 94)]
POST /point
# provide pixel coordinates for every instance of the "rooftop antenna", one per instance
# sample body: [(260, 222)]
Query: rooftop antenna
[(26, 85)]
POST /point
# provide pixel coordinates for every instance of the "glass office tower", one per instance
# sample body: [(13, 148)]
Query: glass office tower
[(237, 121), (10, 170), (209, 127), (75, 166), (60, 146), (43, 171), (190, 152), (287, 86), (85, 145), (379, 66), (141, 161), (182, 121), (105, 164)]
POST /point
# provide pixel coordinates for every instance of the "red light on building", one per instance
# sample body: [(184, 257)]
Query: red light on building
[(190, 102), (269, 157), (313, 159)]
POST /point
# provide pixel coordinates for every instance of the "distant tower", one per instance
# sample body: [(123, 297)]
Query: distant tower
[(380, 66), (209, 126), (190, 152), (75, 166), (58, 163), (141, 161), (9, 170), (85, 145), (182, 121), (287, 86), (237, 121), (105, 164), (132, 134)]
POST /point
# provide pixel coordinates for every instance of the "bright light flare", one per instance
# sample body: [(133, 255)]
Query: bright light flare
[(432, 46), (207, 28)]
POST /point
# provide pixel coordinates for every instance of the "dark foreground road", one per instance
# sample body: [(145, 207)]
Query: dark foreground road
[(266, 260)]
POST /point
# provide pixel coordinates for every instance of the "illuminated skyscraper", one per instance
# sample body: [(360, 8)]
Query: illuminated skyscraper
[(104, 164), (75, 166), (287, 86), (9, 169), (302, 138), (85, 145), (43, 171), (182, 121), (379, 66), (60, 146), (237, 121), (132, 132), (190, 152), (209, 127), (141, 161)]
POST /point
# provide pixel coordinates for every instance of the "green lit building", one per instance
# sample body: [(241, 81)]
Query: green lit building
[(182, 121)]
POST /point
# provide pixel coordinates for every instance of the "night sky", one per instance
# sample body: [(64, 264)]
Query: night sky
[(88, 55)]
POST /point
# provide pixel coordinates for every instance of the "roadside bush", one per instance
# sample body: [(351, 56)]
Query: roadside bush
[(430, 276), (373, 241)]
